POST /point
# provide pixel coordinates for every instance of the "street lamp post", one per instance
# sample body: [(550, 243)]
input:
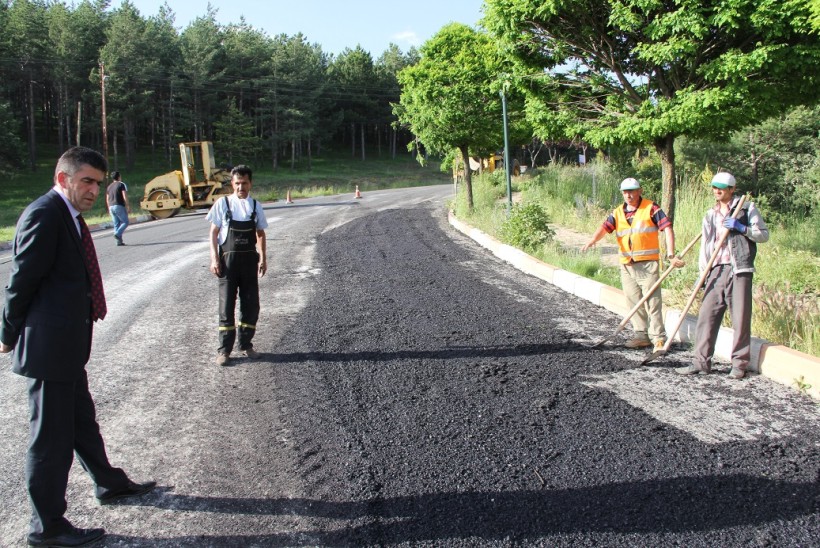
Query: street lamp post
[(507, 166)]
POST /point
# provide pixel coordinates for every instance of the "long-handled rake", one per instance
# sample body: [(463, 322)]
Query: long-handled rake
[(646, 296), (671, 336)]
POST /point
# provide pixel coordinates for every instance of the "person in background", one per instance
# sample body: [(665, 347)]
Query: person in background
[(116, 199), (53, 297), (238, 258), (729, 282), (636, 224)]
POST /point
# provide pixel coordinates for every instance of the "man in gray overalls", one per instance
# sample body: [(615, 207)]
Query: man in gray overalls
[(238, 259)]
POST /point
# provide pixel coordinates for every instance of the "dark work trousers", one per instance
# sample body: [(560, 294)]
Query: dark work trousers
[(239, 275), (724, 290), (63, 421)]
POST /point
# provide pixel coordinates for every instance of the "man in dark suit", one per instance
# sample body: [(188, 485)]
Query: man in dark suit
[(53, 297)]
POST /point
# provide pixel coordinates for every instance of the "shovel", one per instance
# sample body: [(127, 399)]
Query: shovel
[(671, 336), (646, 296)]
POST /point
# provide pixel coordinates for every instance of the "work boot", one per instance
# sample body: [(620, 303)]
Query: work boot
[(659, 344), (736, 374), (222, 359), (251, 353), (690, 370), (637, 343)]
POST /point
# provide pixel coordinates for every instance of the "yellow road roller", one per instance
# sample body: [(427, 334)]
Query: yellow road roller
[(198, 185)]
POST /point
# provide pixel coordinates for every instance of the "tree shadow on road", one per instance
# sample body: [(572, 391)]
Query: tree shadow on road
[(664, 506)]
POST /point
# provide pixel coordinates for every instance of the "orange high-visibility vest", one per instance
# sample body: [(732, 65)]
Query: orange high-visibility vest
[(638, 241)]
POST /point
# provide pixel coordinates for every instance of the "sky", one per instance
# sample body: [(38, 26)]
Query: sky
[(334, 24)]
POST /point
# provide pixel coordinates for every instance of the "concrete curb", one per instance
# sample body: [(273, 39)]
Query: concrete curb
[(779, 363)]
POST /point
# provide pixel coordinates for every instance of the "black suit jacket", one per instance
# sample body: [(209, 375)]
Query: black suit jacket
[(47, 309)]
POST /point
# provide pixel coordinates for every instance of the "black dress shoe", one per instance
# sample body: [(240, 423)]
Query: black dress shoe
[(133, 489), (67, 539)]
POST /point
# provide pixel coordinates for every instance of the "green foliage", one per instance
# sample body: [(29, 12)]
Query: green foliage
[(801, 385), (776, 160), (450, 97), (201, 47), (296, 95), (350, 72), (447, 97), (234, 132), (815, 9), (644, 73), (167, 84), (129, 60), (527, 227), (11, 147)]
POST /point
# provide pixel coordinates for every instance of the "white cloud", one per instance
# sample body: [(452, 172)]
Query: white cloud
[(407, 37)]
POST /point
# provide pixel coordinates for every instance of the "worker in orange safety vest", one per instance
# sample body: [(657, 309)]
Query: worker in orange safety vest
[(636, 224)]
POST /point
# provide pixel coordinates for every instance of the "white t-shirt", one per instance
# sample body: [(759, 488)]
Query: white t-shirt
[(240, 211)]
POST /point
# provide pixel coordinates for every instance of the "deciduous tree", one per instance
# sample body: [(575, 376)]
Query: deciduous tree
[(647, 71), (450, 98)]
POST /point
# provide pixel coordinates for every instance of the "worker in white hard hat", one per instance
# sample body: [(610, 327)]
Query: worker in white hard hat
[(729, 283), (636, 224)]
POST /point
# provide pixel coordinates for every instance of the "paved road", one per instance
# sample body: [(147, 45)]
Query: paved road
[(413, 390)]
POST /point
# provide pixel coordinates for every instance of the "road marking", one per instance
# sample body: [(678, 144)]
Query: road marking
[(713, 408)]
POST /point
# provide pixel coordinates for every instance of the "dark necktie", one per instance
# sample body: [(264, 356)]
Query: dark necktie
[(98, 308)]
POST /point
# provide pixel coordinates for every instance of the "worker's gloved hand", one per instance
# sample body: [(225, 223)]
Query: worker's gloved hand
[(733, 224)]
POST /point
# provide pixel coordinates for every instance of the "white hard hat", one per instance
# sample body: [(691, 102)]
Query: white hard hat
[(723, 180), (630, 183)]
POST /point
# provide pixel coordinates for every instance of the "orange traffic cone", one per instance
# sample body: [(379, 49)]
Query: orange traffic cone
[(287, 199), (358, 194)]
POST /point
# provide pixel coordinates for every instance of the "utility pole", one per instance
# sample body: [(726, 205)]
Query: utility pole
[(79, 120), (104, 123)]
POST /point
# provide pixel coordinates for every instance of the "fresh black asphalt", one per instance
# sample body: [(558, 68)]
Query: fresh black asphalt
[(437, 400)]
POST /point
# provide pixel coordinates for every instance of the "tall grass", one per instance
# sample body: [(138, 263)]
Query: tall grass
[(574, 197), (787, 278), (489, 212)]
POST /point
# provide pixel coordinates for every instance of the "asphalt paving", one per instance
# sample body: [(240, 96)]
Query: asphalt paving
[(440, 398)]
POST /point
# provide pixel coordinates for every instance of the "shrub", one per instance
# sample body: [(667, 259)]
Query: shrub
[(527, 227)]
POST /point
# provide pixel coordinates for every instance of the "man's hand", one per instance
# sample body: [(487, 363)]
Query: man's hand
[(733, 224), (216, 267), (587, 246), (263, 266), (5, 349), (676, 261)]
